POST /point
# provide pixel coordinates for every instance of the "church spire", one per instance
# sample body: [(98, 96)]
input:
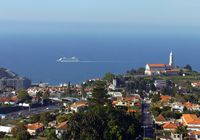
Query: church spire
[(171, 59)]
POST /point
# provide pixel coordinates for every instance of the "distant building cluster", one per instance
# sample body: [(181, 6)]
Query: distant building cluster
[(9, 79)]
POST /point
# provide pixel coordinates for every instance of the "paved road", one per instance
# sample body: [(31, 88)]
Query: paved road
[(27, 112), (147, 122)]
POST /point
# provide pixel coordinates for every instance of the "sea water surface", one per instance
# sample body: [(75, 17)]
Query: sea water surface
[(34, 55)]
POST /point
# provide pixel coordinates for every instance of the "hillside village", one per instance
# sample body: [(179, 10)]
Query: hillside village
[(162, 100)]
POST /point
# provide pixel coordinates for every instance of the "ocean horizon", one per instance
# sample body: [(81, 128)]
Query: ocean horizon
[(34, 55)]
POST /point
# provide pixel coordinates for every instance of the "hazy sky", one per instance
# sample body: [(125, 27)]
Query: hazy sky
[(179, 17), (185, 12)]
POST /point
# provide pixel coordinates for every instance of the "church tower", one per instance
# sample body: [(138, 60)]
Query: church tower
[(171, 59)]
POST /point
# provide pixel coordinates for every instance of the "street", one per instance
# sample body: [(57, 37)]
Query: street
[(26, 112), (147, 122)]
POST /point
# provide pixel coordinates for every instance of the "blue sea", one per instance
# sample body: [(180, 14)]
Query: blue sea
[(33, 53)]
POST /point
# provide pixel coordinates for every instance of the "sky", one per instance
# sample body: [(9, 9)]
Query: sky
[(185, 12), (22, 16)]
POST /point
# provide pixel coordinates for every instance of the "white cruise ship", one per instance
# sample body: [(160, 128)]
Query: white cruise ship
[(68, 60)]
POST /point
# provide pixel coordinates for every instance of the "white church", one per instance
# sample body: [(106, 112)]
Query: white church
[(162, 69)]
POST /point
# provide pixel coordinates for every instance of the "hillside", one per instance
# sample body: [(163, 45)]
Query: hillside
[(5, 73)]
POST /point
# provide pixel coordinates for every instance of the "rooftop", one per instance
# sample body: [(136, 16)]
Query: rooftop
[(158, 65), (35, 126), (62, 126), (160, 118), (79, 104), (191, 119), (170, 125)]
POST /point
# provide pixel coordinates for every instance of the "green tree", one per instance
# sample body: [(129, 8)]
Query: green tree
[(45, 118), (115, 131), (181, 72), (102, 123), (2, 134), (39, 96), (62, 118), (132, 71), (152, 87), (68, 91), (109, 77), (156, 98), (16, 130), (23, 95), (155, 110), (23, 135), (83, 93), (140, 71), (188, 67), (99, 94), (50, 134), (132, 131), (46, 95), (182, 130), (34, 118), (124, 94)]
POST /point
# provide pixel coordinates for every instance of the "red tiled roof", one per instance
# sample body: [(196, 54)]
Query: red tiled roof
[(5, 99), (195, 132), (157, 65), (79, 104), (63, 125), (191, 119), (132, 111), (128, 98), (160, 118), (114, 102), (14, 98), (35, 126), (188, 104), (165, 98), (170, 125), (196, 84)]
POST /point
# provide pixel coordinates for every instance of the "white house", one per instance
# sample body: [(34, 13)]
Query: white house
[(128, 101), (195, 84), (192, 107), (177, 106), (35, 128), (61, 129), (79, 105), (194, 135), (6, 129), (115, 94), (175, 136)]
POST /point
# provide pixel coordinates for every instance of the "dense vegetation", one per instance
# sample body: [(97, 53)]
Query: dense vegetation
[(101, 121)]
